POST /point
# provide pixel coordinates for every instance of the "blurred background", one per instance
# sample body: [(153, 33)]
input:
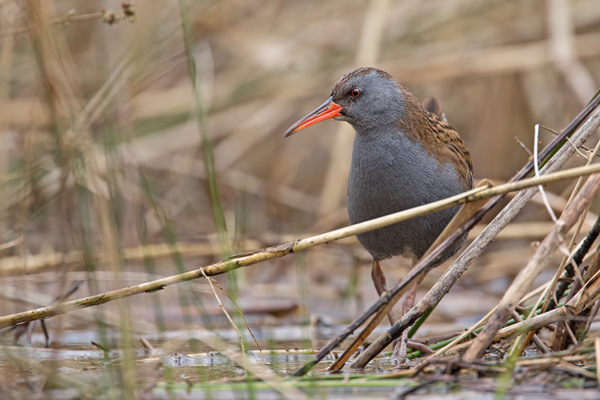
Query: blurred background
[(103, 175)]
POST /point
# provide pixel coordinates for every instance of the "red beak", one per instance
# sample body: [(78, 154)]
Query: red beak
[(327, 110)]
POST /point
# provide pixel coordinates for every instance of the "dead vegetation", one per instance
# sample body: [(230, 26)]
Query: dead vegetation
[(142, 141)]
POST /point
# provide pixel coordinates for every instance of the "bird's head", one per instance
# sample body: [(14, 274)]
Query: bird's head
[(367, 98)]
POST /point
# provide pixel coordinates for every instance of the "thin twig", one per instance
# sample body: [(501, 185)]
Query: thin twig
[(214, 282), (520, 143), (571, 334), (242, 347), (590, 320), (538, 342), (536, 168), (12, 243)]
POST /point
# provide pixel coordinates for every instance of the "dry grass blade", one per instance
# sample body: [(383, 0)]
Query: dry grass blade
[(234, 326), (213, 283), (12, 243)]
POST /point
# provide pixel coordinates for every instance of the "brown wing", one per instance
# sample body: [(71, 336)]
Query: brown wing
[(432, 105), (457, 149), (424, 123)]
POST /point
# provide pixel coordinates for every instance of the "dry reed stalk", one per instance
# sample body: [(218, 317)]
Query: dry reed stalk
[(585, 298), (545, 299), (520, 230), (541, 362), (524, 280), (575, 370), (109, 234), (561, 37), (477, 325), (37, 263), (19, 294), (128, 276), (6, 61), (111, 17), (538, 342), (290, 247)]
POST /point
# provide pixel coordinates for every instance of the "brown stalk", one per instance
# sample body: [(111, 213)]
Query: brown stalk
[(538, 342), (524, 280), (579, 303), (547, 301)]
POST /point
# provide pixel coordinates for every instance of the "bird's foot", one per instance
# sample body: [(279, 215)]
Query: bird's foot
[(361, 348), (399, 354)]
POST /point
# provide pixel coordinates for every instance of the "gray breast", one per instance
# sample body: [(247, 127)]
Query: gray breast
[(390, 173)]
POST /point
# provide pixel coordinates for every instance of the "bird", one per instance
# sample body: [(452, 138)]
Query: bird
[(405, 154)]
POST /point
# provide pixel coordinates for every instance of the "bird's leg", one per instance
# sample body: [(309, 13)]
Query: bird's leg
[(380, 286), (399, 355)]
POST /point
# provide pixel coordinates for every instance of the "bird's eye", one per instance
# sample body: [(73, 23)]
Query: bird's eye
[(355, 93)]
